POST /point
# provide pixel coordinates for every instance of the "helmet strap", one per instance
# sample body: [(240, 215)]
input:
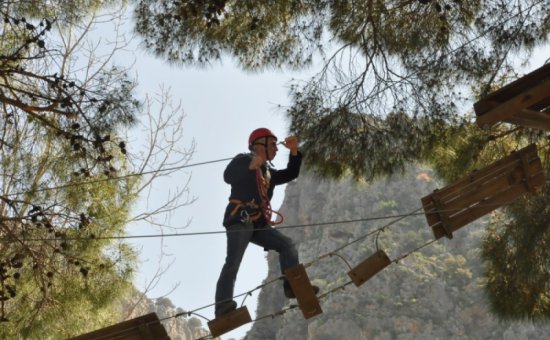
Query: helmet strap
[(266, 149)]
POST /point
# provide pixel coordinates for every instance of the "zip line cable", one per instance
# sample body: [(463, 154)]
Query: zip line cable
[(367, 219), (360, 238), (204, 233), (117, 178), (201, 233)]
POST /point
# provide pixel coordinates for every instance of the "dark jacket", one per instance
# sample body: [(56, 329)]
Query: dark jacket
[(244, 187)]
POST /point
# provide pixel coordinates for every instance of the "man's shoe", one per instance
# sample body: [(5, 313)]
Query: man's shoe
[(315, 289), (225, 307), (288, 291)]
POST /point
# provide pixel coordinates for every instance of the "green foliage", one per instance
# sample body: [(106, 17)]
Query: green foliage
[(398, 69), (257, 33), (63, 11), (340, 142), (455, 269), (515, 250)]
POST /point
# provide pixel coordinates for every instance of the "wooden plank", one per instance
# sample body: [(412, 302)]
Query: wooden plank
[(145, 327), (477, 177), (229, 321), (369, 267), (460, 202), (514, 105), (502, 165), (531, 119), (488, 188), (470, 183), (484, 207), (443, 215), (302, 288), (512, 89)]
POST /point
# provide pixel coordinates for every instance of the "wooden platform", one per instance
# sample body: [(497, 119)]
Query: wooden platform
[(524, 102), (369, 267), (483, 191), (146, 327), (229, 321)]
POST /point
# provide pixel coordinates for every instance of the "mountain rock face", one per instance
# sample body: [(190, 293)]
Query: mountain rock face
[(432, 293), (180, 328)]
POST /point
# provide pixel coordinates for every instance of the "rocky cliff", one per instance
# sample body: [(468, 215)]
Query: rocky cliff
[(180, 328), (434, 293)]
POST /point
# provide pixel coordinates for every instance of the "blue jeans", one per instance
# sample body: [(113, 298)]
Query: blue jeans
[(238, 237)]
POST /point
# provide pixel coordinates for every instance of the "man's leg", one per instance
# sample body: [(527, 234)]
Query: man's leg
[(238, 236), (272, 239)]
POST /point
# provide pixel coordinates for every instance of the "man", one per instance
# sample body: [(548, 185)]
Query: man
[(248, 215)]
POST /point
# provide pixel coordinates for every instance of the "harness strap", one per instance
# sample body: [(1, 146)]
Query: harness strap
[(248, 210)]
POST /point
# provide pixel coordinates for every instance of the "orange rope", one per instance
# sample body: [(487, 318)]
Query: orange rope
[(266, 205)]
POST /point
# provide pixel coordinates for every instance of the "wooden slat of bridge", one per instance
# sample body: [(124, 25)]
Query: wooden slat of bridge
[(483, 191), (146, 327)]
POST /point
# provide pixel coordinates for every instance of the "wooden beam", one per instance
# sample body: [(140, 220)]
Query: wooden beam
[(491, 186), (531, 119), (477, 178), (512, 89), (511, 106)]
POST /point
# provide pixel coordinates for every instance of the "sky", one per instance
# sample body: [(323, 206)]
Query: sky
[(222, 105)]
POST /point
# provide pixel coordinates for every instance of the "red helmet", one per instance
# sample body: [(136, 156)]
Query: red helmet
[(260, 133)]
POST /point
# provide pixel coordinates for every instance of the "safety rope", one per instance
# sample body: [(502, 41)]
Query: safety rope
[(262, 183)]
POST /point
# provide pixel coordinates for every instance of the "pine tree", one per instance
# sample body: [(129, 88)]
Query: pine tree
[(67, 183)]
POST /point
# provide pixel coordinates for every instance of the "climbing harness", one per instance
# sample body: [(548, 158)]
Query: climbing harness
[(247, 211)]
